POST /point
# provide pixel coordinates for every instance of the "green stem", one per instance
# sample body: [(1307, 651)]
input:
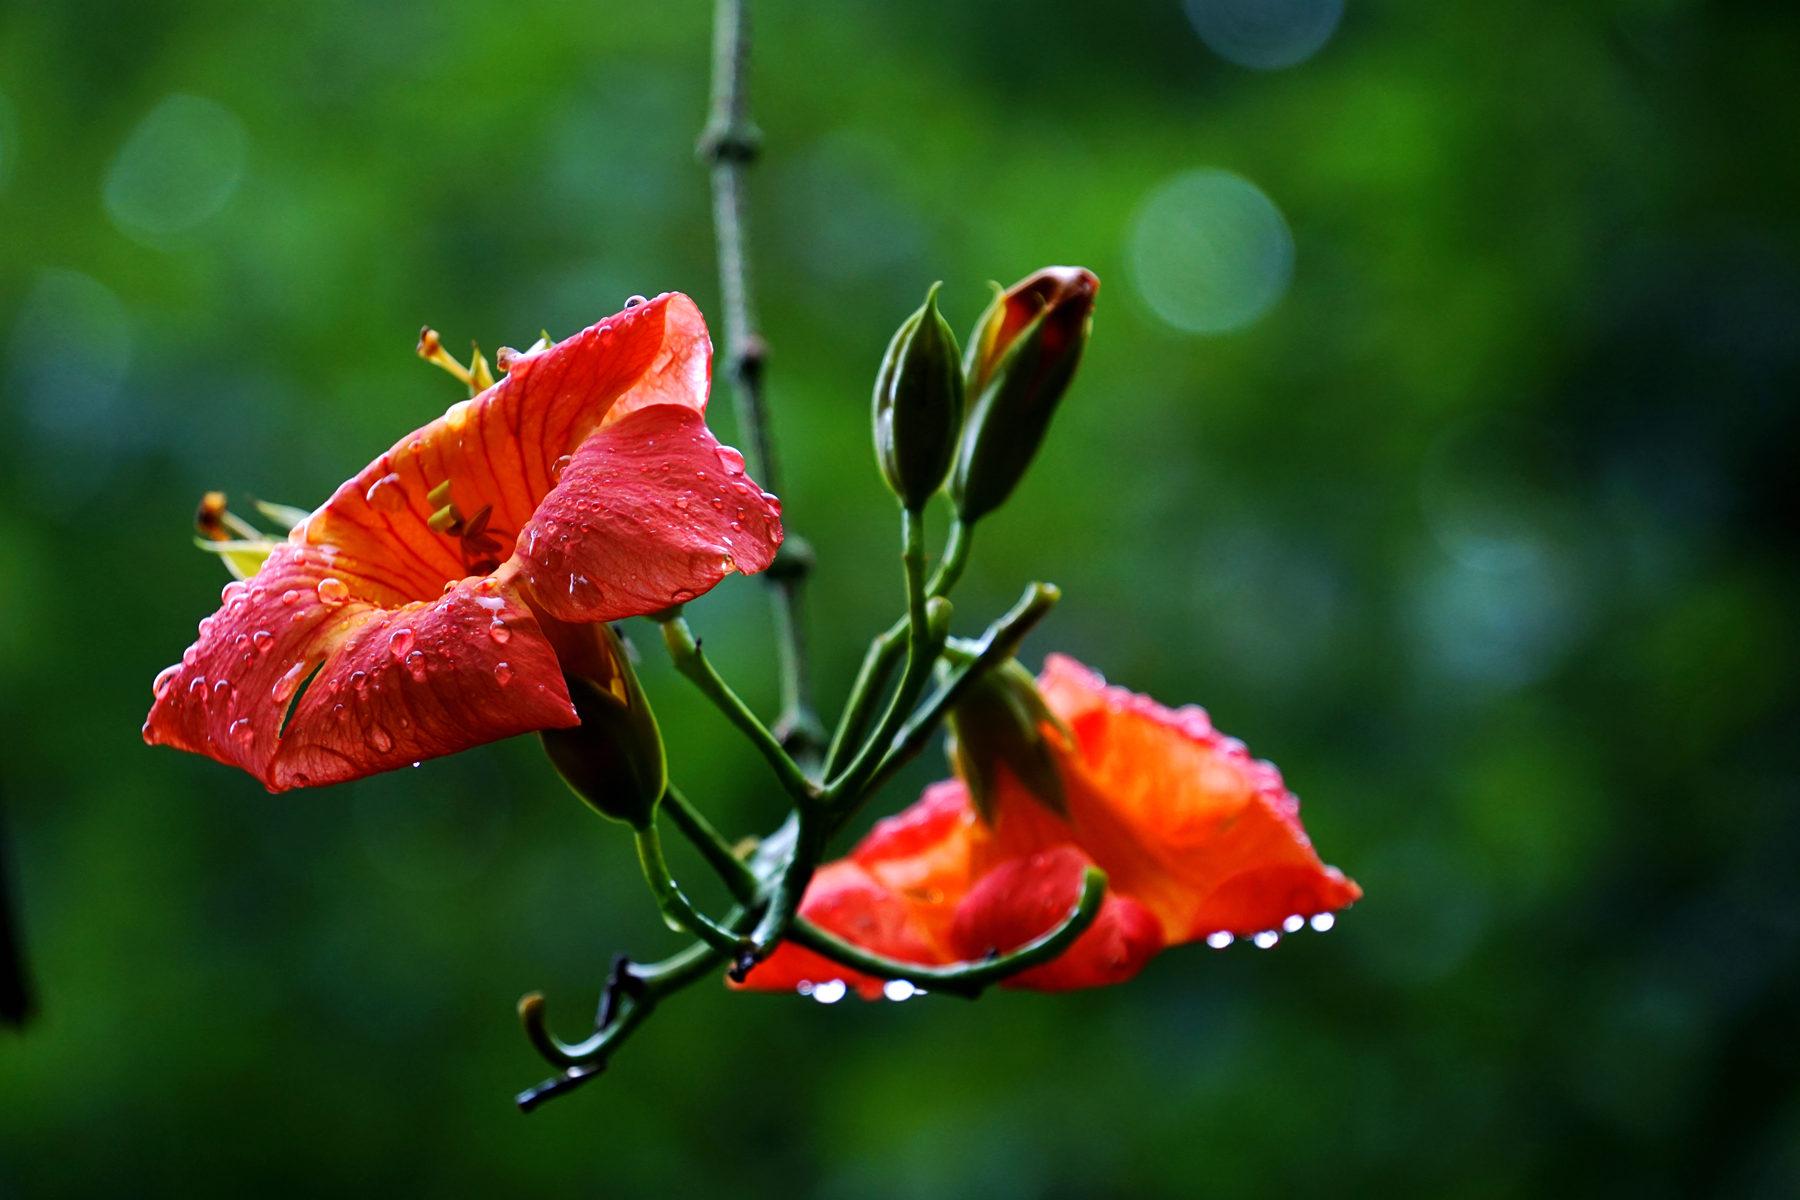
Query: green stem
[(999, 643), (677, 909), (884, 652), (684, 651), (965, 979), (922, 644), (728, 145), (712, 845)]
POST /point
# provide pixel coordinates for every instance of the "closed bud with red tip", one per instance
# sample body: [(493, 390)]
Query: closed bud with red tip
[(1019, 362)]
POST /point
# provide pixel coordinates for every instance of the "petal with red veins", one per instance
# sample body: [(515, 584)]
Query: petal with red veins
[(651, 511), (503, 450), (298, 682)]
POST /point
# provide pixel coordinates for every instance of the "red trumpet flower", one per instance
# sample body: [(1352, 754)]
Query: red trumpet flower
[(1198, 840), (435, 601)]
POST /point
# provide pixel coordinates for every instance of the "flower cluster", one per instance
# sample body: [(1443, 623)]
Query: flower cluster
[(460, 588)]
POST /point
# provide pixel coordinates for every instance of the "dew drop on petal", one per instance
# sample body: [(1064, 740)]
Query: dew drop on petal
[(221, 689), (415, 665), (1294, 924), (262, 639), (1219, 940), (333, 591), (290, 679), (197, 688), (899, 989), (558, 467), (359, 680), (1322, 922), (386, 493), (242, 731), (190, 656), (499, 632), (381, 740), (634, 300), (165, 679), (503, 673), (1265, 939), (829, 992), (731, 460), (400, 643)]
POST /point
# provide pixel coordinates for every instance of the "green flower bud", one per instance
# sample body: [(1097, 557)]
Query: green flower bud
[(918, 405), (614, 759), (1021, 358), (999, 725)]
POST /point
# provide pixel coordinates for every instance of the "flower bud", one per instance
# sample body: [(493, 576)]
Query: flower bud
[(1020, 359), (614, 759), (1000, 725), (918, 405)]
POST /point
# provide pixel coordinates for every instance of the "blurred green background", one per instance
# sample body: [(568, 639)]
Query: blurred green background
[(1441, 397)]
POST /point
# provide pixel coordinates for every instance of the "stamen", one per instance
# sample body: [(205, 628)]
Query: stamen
[(431, 349)]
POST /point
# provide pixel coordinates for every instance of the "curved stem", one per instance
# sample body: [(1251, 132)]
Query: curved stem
[(729, 144), (965, 979), (684, 652), (677, 909)]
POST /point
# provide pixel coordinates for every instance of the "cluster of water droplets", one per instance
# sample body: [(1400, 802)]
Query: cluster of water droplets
[(1267, 939), (833, 990)]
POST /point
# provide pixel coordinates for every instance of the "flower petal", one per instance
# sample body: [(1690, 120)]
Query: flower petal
[(1180, 816), (298, 682), (500, 452), (651, 511), (1025, 898)]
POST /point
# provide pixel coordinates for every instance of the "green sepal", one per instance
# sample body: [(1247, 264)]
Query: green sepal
[(999, 725), (614, 760)]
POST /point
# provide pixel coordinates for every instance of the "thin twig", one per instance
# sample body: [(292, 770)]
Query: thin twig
[(729, 144)]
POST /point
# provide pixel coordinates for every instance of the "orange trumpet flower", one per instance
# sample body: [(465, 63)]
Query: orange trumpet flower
[(436, 600), (1197, 839)]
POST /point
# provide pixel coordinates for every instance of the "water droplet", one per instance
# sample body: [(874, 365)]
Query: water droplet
[(197, 688), (333, 591), (1265, 939), (262, 639), (499, 632), (1322, 922), (380, 739), (415, 665), (386, 493), (899, 989), (829, 992), (558, 467), (731, 460), (502, 673), (718, 503), (284, 687), (221, 690), (165, 679), (242, 731), (1294, 924), (634, 300), (681, 502), (359, 680), (457, 416), (400, 643), (190, 656), (290, 597), (230, 591), (1219, 940)]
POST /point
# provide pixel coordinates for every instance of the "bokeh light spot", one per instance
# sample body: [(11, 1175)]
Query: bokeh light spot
[(1210, 252), (1264, 34), (179, 167)]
